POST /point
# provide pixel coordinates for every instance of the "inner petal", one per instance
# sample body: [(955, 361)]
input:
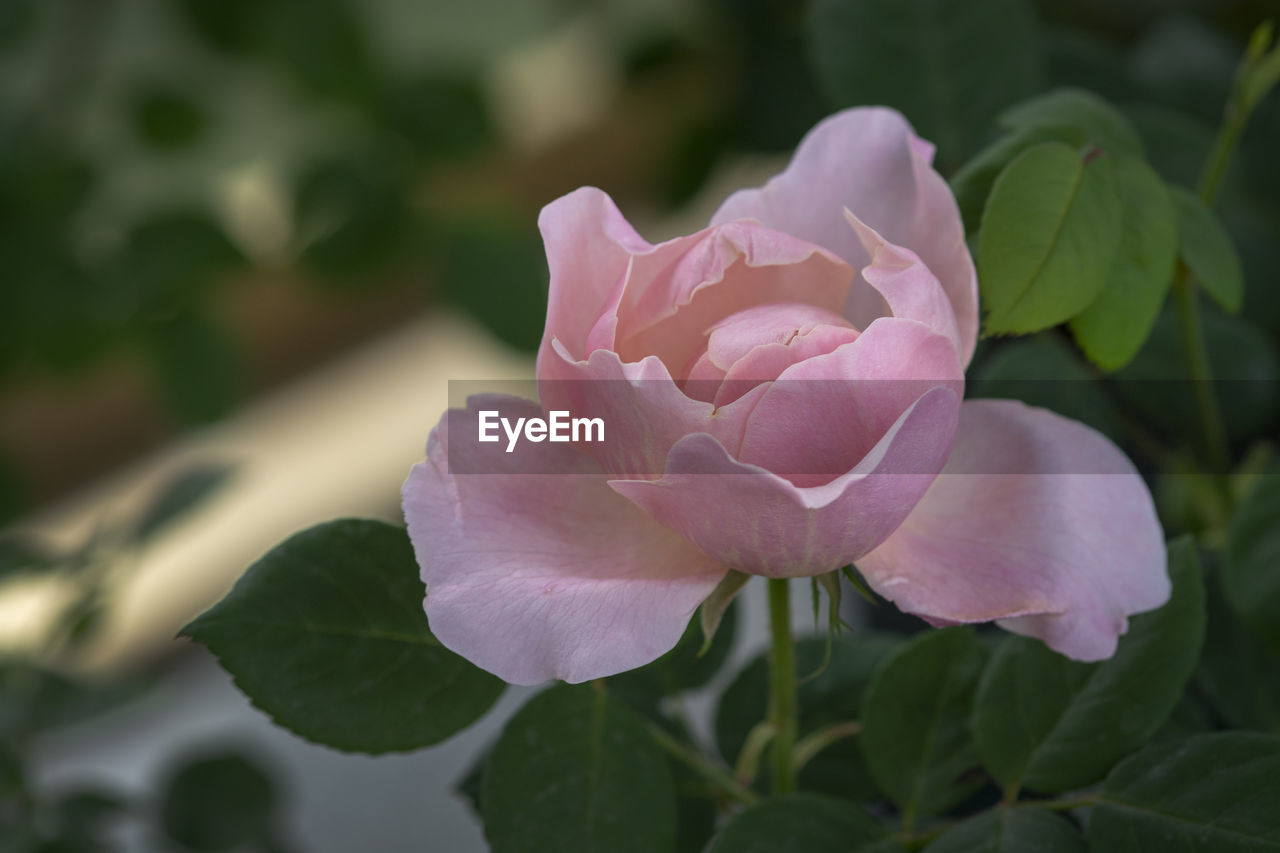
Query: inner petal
[(755, 345), (675, 294)]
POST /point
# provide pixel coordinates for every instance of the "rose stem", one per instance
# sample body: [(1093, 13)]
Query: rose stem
[(782, 687), (1244, 97)]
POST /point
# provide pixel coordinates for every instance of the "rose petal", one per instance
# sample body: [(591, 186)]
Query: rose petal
[(1037, 521), (540, 571), (589, 247), (677, 292), (868, 160), (910, 289), (758, 344), (823, 415), (755, 521), (645, 412)]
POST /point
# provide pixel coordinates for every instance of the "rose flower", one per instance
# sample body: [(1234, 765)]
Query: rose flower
[(782, 396)]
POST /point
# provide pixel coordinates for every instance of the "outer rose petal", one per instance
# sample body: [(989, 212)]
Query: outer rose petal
[(540, 571), (758, 522), (1037, 521), (868, 160), (589, 247)]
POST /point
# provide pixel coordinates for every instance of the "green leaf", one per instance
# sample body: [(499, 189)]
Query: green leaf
[(799, 823), (1114, 327), (950, 67), (1237, 674), (576, 770), (915, 732), (972, 183), (1052, 724), (218, 803), (1246, 375), (1045, 370), (1103, 125), (1213, 793), (1049, 237), (1251, 575), (833, 696), (182, 493), (1207, 250), (326, 634), (1006, 830)]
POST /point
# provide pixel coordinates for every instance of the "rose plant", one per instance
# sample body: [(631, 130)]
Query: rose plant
[(783, 390), (783, 396)]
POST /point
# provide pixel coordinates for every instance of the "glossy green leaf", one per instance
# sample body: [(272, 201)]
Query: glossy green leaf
[(326, 634), (1251, 575), (1208, 252), (834, 695), (915, 732), (1050, 232), (799, 823), (1213, 793), (1052, 724), (949, 67), (1114, 327), (1006, 830), (1102, 124), (576, 770)]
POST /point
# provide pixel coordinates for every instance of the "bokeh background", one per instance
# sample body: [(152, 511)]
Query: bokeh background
[(245, 245)]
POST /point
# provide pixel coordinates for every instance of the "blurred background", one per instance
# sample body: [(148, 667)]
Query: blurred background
[(244, 246)]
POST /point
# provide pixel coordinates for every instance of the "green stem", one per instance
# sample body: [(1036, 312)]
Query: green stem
[(1235, 116), (782, 687), (824, 737), (716, 775), (1199, 371)]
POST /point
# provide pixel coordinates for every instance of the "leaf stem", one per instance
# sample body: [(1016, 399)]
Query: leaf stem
[(782, 687), (709, 770), (1200, 372), (812, 744)]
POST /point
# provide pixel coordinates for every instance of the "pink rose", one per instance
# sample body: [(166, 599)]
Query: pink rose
[(782, 396)]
